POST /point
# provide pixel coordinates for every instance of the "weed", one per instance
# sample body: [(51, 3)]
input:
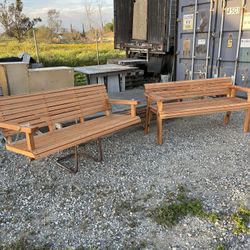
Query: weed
[(221, 247), (136, 245), (171, 214), (241, 220)]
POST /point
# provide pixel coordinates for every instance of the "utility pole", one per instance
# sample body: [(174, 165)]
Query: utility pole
[(36, 47), (97, 48)]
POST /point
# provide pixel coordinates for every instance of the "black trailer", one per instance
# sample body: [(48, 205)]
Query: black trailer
[(147, 29)]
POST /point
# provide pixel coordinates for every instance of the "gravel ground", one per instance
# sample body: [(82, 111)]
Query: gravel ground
[(106, 205)]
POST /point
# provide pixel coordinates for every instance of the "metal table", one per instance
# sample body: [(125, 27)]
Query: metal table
[(112, 75)]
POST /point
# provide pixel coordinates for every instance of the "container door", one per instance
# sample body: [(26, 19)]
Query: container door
[(233, 52), (158, 22), (122, 22), (195, 41), (140, 17)]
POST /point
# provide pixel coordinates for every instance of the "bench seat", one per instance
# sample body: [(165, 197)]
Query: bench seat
[(58, 140), (201, 107)]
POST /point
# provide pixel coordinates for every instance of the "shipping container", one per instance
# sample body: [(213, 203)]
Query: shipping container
[(196, 24), (232, 53), (147, 29), (213, 40)]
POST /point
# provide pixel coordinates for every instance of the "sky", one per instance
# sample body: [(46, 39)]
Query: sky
[(71, 11)]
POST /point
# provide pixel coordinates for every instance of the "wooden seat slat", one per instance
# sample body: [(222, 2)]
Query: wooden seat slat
[(61, 138), (186, 91), (66, 133), (105, 132), (198, 104)]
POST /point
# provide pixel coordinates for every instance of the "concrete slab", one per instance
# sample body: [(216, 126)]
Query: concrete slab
[(136, 94)]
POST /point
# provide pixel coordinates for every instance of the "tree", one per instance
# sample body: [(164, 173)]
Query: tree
[(43, 33), (83, 34), (100, 4), (14, 22), (109, 27), (89, 11), (54, 22)]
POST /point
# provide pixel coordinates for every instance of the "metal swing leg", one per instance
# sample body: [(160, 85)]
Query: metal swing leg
[(75, 168)]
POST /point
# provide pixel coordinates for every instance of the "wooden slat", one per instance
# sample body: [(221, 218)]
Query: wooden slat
[(202, 112), (200, 104), (185, 84), (24, 152), (60, 139), (190, 89), (91, 137)]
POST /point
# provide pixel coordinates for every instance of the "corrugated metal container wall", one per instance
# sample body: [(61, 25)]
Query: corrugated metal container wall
[(232, 53), (196, 23), (145, 24), (214, 43)]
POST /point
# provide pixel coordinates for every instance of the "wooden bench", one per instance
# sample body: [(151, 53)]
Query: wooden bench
[(191, 98), (29, 113)]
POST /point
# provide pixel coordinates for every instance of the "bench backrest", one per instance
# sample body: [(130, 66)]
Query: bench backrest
[(190, 89), (45, 109)]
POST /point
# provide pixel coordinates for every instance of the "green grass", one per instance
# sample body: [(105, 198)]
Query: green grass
[(171, 214), (71, 55), (221, 247)]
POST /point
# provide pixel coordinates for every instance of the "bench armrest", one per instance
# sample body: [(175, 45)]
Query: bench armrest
[(28, 130), (238, 88), (18, 128), (123, 102), (132, 103)]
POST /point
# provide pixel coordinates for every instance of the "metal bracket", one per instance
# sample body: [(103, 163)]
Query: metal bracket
[(74, 169)]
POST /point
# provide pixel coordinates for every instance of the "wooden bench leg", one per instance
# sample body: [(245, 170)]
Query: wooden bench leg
[(159, 130), (148, 120), (227, 117), (247, 121), (99, 144)]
